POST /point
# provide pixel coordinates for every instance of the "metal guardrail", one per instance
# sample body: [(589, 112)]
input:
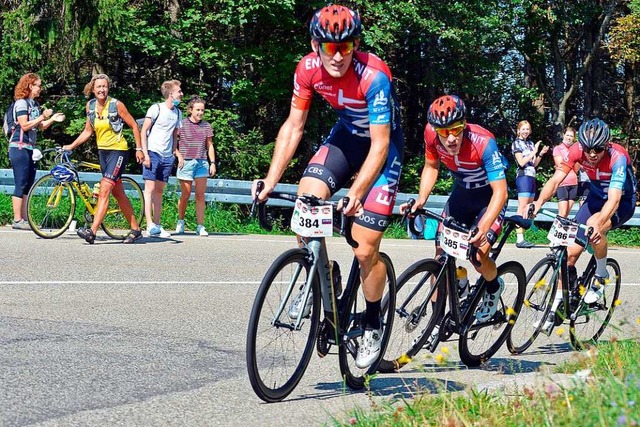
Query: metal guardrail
[(239, 192)]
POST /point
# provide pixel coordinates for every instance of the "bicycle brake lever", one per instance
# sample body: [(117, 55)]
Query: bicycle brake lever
[(346, 223)]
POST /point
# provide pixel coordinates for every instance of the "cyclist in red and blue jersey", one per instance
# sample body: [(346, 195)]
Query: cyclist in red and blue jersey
[(479, 196), (611, 200), (366, 142)]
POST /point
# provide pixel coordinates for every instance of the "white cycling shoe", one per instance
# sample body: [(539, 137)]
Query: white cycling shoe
[(490, 303), (369, 349)]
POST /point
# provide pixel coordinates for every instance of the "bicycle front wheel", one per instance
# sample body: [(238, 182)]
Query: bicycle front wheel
[(50, 207), (480, 340), (353, 325), (540, 291), (277, 352), (115, 224), (592, 319), (417, 312)]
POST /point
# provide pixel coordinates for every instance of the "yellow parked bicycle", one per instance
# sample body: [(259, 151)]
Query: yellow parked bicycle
[(51, 203)]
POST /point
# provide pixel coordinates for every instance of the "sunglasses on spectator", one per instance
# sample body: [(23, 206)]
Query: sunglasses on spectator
[(345, 48), (454, 130)]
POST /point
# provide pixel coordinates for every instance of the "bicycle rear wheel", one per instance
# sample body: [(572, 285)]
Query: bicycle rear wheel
[(540, 291), (50, 207), (414, 319), (115, 224), (278, 353), (593, 319), (480, 340), (353, 327)]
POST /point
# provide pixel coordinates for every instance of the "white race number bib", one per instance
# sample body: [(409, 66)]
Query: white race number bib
[(454, 243), (562, 235), (312, 221)]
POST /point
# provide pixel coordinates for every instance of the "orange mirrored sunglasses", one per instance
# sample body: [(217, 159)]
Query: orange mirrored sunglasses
[(454, 130), (345, 48)]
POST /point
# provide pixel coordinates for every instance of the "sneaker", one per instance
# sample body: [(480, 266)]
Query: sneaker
[(296, 305), (595, 290), (369, 349), (201, 231), (525, 244), (87, 234), (23, 224), (326, 337), (489, 304), (433, 338), (132, 236), (158, 231), (548, 324), (180, 227)]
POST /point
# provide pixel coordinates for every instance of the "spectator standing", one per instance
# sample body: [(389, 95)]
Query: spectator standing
[(527, 155), (568, 189), (159, 145), (27, 117), (195, 142)]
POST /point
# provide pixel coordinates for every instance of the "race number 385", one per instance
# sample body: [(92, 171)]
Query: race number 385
[(312, 221), (454, 243)]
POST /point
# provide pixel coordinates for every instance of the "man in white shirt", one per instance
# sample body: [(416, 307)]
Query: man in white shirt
[(159, 144)]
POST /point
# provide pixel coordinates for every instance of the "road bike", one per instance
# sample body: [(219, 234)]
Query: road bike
[(425, 287), (51, 202), (587, 322), (280, 337)]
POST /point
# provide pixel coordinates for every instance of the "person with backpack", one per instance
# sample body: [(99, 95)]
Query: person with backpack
[(106, 117), (22, 121), (159, 145)]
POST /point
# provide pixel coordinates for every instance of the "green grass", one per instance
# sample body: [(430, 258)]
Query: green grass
[(610, 397), (232, 218)]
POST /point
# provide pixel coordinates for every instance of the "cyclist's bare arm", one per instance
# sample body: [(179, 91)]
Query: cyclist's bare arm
[(373, 163), (428, 179), (499, 197), (287, 142), (600, 221), (550, 187)]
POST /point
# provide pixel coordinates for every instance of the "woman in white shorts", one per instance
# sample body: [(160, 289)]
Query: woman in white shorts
[(195, 142)]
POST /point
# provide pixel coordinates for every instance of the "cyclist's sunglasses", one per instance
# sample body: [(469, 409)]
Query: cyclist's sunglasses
[(345, 48), (596, 150), (454, 130)]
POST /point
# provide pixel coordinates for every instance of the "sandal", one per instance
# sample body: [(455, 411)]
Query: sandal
[(132, 236), (87, 234)]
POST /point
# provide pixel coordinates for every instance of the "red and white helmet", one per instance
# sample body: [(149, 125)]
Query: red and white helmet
[(446, 110), (335, 23)]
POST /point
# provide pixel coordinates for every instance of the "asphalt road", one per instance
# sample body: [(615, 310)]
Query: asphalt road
[(154, 334)]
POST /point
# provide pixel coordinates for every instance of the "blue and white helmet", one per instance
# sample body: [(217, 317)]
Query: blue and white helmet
[(63, 174)]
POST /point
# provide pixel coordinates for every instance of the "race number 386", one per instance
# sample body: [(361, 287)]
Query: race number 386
[(312, 221), (561, 234)]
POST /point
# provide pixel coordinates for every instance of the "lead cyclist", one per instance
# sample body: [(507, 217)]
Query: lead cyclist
[(366, 142)]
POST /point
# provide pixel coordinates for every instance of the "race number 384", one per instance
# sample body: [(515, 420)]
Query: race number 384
[(312, 221)]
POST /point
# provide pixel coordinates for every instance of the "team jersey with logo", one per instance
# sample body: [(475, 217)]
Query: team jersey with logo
[(363, 96), (613, 171), (479, 161)]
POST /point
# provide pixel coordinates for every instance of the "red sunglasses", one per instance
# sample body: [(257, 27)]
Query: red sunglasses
[(330, 48)]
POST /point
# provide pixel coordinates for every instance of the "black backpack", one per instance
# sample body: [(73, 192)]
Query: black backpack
[(10, 121)]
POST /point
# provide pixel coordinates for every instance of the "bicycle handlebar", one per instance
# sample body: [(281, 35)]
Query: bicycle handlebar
[(448, 222), (566, 221), (345, 222)]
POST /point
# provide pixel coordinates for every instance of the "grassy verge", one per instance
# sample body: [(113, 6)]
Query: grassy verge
[(231, 218), (610, 397)]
